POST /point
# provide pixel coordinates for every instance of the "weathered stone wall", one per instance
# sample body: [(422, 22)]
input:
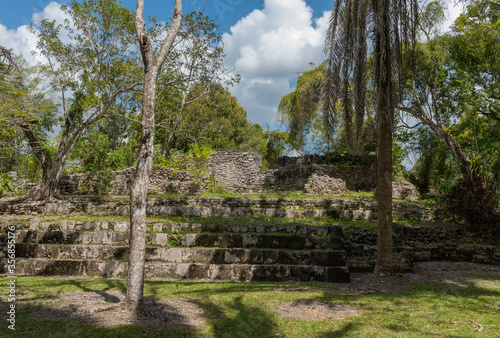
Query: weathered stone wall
[(50, 242), (416, 244), (404, 190), (235, 171), (295, 177), (324, 185), (161, 180), (238, 171)]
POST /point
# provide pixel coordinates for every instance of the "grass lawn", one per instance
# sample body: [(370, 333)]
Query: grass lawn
[(441, 309)]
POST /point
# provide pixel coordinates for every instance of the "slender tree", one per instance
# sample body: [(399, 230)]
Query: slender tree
[(152, 67), (386, 28)]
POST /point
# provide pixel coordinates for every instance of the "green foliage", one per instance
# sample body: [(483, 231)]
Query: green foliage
[(399, 153), (301, 112), (5, 183), (198, 158), (277, 144), (343, 158), (214, 187), (213, 117), (471, 201), (299, 109), (94, 150)]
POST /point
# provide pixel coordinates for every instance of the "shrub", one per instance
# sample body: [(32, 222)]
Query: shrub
[(5, 183), (471, 201)]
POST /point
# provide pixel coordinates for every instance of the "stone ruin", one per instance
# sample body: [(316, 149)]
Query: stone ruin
[(324, 185), (267, 250), (238, 172)]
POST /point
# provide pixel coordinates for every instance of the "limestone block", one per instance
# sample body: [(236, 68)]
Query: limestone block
[(161, 239), (404, 190), (121, 226), (318, 185)]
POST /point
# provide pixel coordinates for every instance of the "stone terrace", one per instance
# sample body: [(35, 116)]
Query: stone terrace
[(237, 243)]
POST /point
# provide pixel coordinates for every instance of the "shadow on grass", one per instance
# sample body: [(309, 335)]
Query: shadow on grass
[(238, 319), (38, 320), (342, 332), (245, 309)]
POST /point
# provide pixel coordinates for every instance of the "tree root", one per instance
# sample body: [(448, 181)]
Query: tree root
[(142, 309), (120, 305)]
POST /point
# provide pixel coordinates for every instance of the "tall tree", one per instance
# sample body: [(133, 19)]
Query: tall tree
[(390, 27), (152, 67)]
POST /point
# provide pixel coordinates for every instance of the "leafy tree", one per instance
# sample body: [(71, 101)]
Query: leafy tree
[(277, 144), (457, 80), (455, 92), (301, 112), (213, 118), (90, 58), (193, 67), (24, 110)]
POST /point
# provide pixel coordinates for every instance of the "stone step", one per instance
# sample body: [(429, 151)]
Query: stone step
[(181, 271), (272, 241), (280, 207), (233, 206), (291, 242), (173, 227), (251, 212), (185, 255), (77, 237)]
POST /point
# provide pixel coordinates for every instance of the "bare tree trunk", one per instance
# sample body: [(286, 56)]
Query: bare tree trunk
[(138, 194), (139, 190), (385, 117)]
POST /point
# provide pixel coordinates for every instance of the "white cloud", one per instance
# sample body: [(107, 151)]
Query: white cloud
[(453, 12), (22, 41), (267, 48)]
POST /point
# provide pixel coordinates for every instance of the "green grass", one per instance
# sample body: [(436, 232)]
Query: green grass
[(246, 310)]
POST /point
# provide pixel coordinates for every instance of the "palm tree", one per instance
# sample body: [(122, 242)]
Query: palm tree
[(358, 29)]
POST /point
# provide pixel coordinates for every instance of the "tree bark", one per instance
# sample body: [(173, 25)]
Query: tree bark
[(385, 116), (37, 149), (139, 190)]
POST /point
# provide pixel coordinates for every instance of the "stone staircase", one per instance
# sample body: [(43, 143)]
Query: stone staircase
[(239, 239), (183, 251)]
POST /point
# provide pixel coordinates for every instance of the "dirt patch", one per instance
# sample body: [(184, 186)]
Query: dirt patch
[(82, 306), (313, 310)]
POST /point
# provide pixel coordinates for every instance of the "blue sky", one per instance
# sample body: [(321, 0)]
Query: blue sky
[(227, 12), (267, 42)]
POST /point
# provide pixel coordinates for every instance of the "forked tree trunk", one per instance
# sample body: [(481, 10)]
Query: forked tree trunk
[(139, 190), (385, 117)]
